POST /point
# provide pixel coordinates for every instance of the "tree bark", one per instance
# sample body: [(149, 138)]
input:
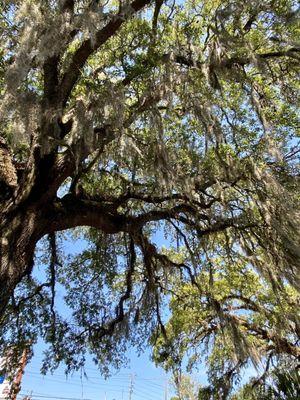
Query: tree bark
[(19, 235)]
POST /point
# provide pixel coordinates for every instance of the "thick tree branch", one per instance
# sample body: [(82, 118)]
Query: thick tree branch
[(153, 199), (8, 173), (190, 62), (282, 344), (158, 4), (52, 170), (50, 79), (88, 47), (72, 211)]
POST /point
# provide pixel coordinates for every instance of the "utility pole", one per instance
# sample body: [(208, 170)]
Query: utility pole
[(131, 386), (166, 389)]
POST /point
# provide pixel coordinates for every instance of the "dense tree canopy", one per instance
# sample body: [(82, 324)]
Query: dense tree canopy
[(123, 121)]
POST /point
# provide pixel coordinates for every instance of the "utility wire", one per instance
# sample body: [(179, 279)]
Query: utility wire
[(143, 395), (72, 383), (53, 397), (146, 388)]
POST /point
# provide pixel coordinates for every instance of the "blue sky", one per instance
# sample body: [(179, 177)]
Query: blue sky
[(148, 382)]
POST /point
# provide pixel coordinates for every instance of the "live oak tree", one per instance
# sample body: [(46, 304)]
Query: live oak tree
[(130, 118)]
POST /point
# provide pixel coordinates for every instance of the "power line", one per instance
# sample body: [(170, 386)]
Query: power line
[(87, 379), (154, 385), (77, 383), (53, 397), (145, 388), (146, 396)]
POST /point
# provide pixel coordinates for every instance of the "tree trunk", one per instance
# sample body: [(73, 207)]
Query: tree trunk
[(19, 234)]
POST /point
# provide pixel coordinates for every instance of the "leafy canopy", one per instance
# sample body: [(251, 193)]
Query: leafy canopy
[(156, 117)]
